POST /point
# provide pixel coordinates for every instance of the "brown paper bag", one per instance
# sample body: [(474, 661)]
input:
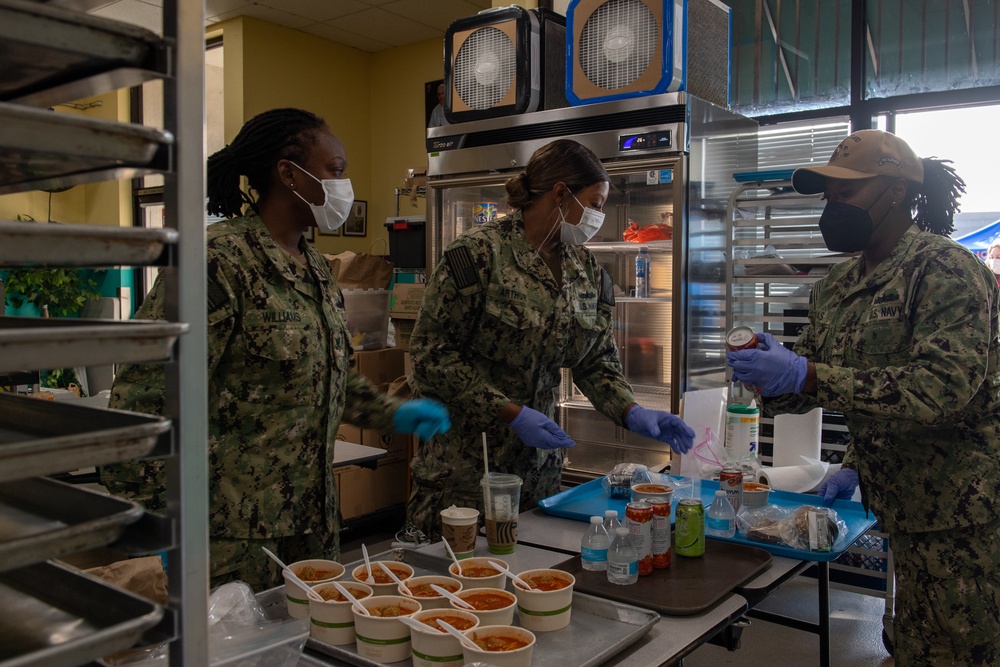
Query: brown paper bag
[(360, 270), (142, 576)]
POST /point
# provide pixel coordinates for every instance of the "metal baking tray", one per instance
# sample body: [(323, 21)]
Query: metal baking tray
[(56, 616), (36, 343), (41, 149), (598, 630), (34, 244), (42, 519), (54, 55), (39, 437)]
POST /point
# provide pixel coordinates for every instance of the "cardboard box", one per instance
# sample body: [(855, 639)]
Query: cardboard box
[(404, 329), (380, 366), (406, 300), (363, 491)]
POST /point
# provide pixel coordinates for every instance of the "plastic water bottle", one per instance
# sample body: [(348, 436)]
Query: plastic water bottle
[(611, 523), (642, 273), (623, 559), (594, 546), (641, 475), (721, 518)]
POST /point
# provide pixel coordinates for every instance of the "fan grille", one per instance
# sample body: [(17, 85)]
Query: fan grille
[(618, 43), (485, 68)]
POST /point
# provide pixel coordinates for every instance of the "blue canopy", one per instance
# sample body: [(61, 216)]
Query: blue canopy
[(979, 241)]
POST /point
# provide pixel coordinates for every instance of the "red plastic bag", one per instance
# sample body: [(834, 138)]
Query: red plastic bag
[(654, 232)]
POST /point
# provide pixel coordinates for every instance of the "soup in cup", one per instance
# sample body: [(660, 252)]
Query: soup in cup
[(649, 492), (434, 647), (331, 620), (493, 606), (500, 645), (313, 571), (382, 637), (421, 591), (548, 605), (755, 494), (382, 583), (478, 573)]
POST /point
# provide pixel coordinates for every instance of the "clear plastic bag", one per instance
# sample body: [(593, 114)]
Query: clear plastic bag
[(618, 482), (808, 528)]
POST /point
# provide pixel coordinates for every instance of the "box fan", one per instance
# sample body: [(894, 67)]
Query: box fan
[(627, 48), (504, 61)]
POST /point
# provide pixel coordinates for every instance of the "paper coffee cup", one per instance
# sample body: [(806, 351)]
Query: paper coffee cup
[(459, 526)]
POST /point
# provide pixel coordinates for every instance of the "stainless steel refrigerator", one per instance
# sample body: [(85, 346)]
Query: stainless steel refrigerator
[(671, 158)]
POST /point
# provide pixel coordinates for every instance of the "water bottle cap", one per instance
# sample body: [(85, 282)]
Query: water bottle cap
[(621, 530), (611, 513), (720, 494), (596, 519)]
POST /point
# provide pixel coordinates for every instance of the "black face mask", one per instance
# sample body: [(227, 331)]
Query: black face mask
[(846, 227)]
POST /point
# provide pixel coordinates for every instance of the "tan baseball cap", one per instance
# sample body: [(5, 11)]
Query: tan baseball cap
[(864, 154)]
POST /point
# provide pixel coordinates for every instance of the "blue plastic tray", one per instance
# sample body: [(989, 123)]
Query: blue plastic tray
[(589, 499), (756, 176)]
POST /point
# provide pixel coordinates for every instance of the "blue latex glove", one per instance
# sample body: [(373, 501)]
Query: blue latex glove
[(537, 430), (661, 426), (840, 485), (771, 367), (422, 416)]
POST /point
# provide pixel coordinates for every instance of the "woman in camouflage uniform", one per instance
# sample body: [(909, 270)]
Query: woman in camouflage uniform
[(903, 339), (279, 355), (512, 303)]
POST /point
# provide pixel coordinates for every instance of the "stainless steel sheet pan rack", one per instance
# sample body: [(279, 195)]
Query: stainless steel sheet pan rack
[(58, 616), (40, 149), (32, 343), (55, 53), (27, 244), (599, 629), (58, 55), (42, 518)]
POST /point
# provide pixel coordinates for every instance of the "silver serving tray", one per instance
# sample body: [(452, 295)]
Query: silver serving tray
[(34, 343), (57, 616), (43, 518), (43, 149), (598, 630), (39, 244), (39, 437), (54, 55)]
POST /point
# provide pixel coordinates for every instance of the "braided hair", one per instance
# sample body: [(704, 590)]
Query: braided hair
[(936, 200), (264, 139)]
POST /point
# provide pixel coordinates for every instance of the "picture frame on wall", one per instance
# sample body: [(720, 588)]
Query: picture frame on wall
[(357, 221), (310, 234)]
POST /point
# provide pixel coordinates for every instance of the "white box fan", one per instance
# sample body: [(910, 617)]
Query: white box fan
[(626, 48), (504, 61)]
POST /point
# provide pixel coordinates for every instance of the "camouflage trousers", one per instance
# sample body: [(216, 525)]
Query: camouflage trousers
[(237, 559), (948, 597), (437, 486)]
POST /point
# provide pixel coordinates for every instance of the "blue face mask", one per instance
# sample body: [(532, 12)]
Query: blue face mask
[(578, 234)]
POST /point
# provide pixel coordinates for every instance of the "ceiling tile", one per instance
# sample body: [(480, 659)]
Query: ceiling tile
[(386, 27), (214, 8), (276, 16), (317, 10), (134, 12), (434, 13), (332, 33)]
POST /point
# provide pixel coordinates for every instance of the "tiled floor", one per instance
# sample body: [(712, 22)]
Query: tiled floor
[(856, 624)]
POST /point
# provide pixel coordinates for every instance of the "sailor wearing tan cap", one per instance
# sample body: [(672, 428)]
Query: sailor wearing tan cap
[(903, 339)]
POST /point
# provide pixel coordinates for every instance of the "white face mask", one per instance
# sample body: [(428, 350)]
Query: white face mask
[(583, 231), (994, 265), (333, 212)]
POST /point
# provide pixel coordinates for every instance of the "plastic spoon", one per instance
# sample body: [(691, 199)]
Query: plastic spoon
[(416, 625), (452, 554), (451, 596), (517, 579), (294, 577), (392, 575), (458, 635), (368, 563), (354, 601)]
